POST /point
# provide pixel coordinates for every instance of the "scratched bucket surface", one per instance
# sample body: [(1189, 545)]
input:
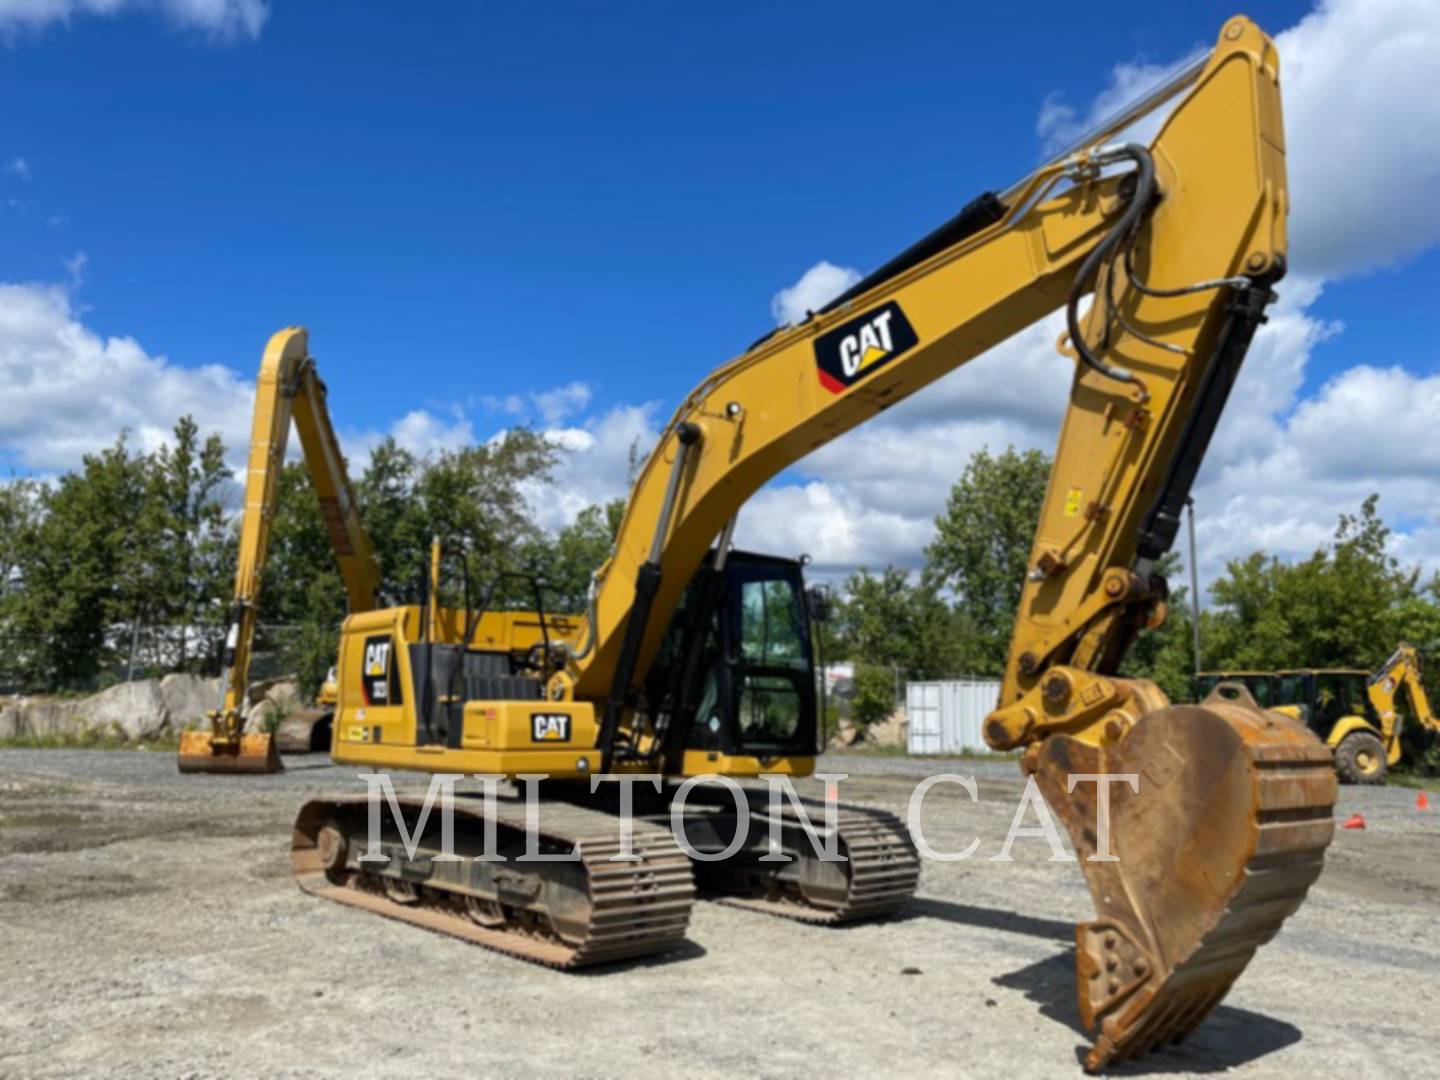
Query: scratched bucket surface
[(1226, 833)]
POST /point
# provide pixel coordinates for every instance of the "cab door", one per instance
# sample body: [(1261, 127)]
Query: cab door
[(772, 675)]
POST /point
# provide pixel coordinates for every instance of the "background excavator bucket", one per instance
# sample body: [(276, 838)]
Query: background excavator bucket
[(254, 752), (305, 731)]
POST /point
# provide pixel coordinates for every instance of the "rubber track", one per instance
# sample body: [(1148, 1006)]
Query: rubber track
[(638, 908)]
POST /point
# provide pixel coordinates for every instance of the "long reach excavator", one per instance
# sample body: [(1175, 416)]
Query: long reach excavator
[(694, 660)]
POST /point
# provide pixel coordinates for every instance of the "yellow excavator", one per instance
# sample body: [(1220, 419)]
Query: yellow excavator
[(287, 388), (693, 660)]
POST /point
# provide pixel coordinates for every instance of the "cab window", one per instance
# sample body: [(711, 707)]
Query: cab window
[(769, 709), (1259, 687), (771, 631), (1290, 690)]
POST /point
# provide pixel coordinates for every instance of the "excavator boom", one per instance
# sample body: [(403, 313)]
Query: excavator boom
[(287, 388)]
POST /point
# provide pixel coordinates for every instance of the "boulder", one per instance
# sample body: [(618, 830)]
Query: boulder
[(144, 709), (188, 698), (135, 710), (273, 698)]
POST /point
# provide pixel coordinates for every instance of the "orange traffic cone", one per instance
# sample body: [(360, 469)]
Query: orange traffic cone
[(1422, 801), (1357, 821)]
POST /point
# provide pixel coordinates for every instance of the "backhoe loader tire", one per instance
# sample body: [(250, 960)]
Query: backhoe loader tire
[(1360, 759)]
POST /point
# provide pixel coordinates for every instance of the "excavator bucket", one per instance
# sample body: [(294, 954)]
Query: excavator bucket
[(254, 752), (1223, 834), (305, 731)]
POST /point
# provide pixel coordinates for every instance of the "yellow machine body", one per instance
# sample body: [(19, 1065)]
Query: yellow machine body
[(380, 728)]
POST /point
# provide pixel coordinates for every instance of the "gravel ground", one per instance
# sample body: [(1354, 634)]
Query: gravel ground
[(148, 927)]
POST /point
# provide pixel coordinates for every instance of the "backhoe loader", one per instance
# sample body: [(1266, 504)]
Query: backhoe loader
[(693, 659), (1353, 711)]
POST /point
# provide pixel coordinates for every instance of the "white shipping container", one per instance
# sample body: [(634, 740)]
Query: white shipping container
[(946, 717)]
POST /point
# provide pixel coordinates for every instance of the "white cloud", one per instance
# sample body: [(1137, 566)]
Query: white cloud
[(69, 391), (595, 461), (1362, 104), (425, 434), (1280, 469), (551, 407), (75, 267), (18, 166), (1059, 124), (510, 404), (832, 524), (817, 287), (904, 461), (561, 402), (217, 19)]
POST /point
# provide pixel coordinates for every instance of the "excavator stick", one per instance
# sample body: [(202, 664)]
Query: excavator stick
[(252, 752), (1219, 818), (287, 389)]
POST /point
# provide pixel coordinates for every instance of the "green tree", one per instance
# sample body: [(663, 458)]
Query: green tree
[(891, 620), (570, 558), (20, 515), (874, 699), (192, 561), (302, 599), (84, 565), (474, 499), (1347, 605), (399, 533), (981, 549)]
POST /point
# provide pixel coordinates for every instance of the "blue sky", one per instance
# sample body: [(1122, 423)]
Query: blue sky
[(470, 205), (460, 204)]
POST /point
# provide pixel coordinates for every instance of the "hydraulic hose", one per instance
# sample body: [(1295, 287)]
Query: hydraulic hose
[(1129, 222)]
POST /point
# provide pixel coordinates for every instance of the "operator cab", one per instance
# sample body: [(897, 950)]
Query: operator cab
[(735, 673), (1261, 684), (1324, 696)]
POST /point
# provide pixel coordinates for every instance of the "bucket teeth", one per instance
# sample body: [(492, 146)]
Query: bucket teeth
[(1218, 846)]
